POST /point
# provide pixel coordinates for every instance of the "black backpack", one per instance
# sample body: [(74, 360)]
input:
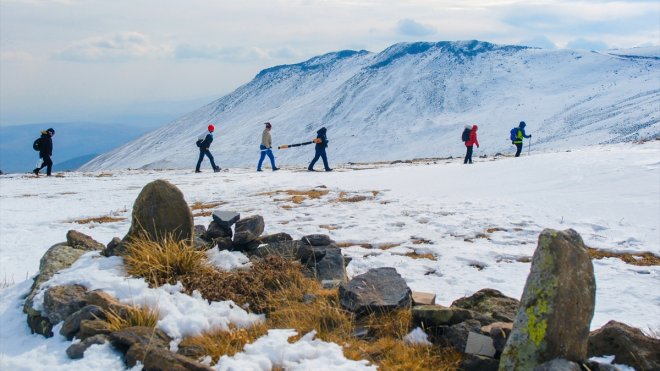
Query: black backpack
[(466, 135), (199, 143), (37, 144)]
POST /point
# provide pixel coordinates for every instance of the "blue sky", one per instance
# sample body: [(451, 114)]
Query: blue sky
[(152, 60)]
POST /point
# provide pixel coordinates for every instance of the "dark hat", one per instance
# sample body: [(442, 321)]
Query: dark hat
[(522, 124), (51, 131), (268, 125)]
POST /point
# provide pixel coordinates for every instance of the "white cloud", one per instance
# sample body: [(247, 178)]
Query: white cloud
[(586, 44), (118, 47), (411, 27), (539, 42)]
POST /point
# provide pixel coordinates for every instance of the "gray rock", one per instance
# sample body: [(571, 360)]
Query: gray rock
[(378, 290), (499, 332), (438, 317), (148, 336), (330, 284), (161, 359), (457, 335), (309, 255), (199, 230), (248, 229), (82, 241), (113, 248), (201, 244), (226, 217), (216, 231), (224, 244), (71, 324), (274, 238), (479, 344), (473, 362), (331, 266), (106, 302), (89, 328), (491, 303), (77, 350), (557, 304), (629, 346), (285, 249), (160, 210), (317, 240), (62, 301), (558, 364)]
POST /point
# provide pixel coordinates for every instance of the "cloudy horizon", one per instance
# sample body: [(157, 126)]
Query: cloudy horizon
[(99, 61)]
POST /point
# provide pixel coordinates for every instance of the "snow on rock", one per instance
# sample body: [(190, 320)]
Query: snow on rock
[(274, 350)]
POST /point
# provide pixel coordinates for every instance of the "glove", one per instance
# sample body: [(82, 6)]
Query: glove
[(530, 135)]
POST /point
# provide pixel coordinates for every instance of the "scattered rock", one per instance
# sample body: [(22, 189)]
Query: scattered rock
[(89, 328), (317, 240), (330, 267), (308, 254), (106, 302), (473, 362), (77, 350), (557, 304), (82, 241), (479, 344), (558, 364), (248, 229), (148, 336), (62, 301), (629, 346), (423, 298), (430, 316), (227, 218), (457, 335), (160, 210), (216, 231), (161, 359), (330, 284), (199, 230), (499, 332), (378, 290), (71, 325), (491, 303), (224, 244), (274, 238), (113, 247), (285, 249)]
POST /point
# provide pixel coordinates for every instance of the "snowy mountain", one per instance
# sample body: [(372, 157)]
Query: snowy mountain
[(412, 100)]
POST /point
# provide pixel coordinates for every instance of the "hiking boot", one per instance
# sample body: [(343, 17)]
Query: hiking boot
[(308, 169), (275, 169), (217, 169), (259, 170), (36, 171), (197, 171), (328, 169)]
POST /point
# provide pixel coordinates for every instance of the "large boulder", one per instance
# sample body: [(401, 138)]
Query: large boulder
[(82, 241), (62, 301), (378, 290), (248, 229), (160, 211), (629, 346), (490, 302), (557, 304)]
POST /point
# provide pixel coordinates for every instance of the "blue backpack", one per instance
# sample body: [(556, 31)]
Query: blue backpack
[(514, 134)]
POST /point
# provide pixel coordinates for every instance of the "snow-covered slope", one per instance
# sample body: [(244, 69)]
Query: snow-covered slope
[(412, 100)]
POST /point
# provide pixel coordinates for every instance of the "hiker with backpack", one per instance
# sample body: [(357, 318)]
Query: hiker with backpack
[(204, 142), (265, 147), (517, 135), (470, 138), (321, 144), (44, 144)]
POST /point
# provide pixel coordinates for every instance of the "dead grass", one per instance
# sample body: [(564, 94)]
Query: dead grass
[(420, 241), (640, 259), (100, 220), (202, 214), (495, 229), (104, 175), (134, 316), (298, 196), (164, 261), (329, 227), (205, 205), (415, 255), (344, 197), (218, 343)]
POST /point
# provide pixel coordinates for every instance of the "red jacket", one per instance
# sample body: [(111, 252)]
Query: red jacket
[(473, 137)]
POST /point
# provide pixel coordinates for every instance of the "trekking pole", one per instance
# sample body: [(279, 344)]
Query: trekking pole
[(284, 146), (529, 147)]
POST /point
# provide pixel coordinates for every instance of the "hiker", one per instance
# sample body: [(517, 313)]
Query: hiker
[(472, 140), (321, 143), (204, 142), (265, 147), (45, 151), (517, 135)]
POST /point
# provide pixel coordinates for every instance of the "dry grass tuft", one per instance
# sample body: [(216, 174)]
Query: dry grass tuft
[(219, 343), (495, 229), (104, 175), (202, 214), (134, 316), (208, 205), (161, 262), (298, 196), (415, 255), (420, 241), (329, 227), (343, 197), (395, 355), (100, 220), (640, 259)]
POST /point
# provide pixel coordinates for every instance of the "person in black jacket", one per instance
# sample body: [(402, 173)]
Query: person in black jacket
[(321, 144), (45, 151), (204, 142)]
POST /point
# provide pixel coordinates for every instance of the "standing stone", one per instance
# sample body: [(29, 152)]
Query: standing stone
[(557, 304), (249, 229), (160, 210), (378, 290)]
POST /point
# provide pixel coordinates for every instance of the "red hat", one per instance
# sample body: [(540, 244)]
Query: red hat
[(211, 128)]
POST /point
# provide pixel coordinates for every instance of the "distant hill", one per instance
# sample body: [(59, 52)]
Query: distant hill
[(74, 143), (412, 100)]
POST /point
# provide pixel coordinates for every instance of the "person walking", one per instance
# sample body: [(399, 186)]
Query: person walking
[(265, 147), (518, 141), (321, 144), (45, 151), (472, 140), (204, 143)]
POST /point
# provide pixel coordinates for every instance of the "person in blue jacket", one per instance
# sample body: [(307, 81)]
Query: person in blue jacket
[(204, 142), (518, 142), (321, 144)]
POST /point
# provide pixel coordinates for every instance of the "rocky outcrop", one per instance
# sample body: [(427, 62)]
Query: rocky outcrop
[(627, 344), (160, 210), (557, 304), (378, 290), (62, 301)]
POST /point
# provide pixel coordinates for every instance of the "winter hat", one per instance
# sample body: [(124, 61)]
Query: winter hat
[(51, 131), (475, 127), (268, 125), (211, 128), (522, 124)]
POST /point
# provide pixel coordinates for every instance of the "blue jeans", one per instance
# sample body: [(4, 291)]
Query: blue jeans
[(266, 151), (320, 152), (208, 154)]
